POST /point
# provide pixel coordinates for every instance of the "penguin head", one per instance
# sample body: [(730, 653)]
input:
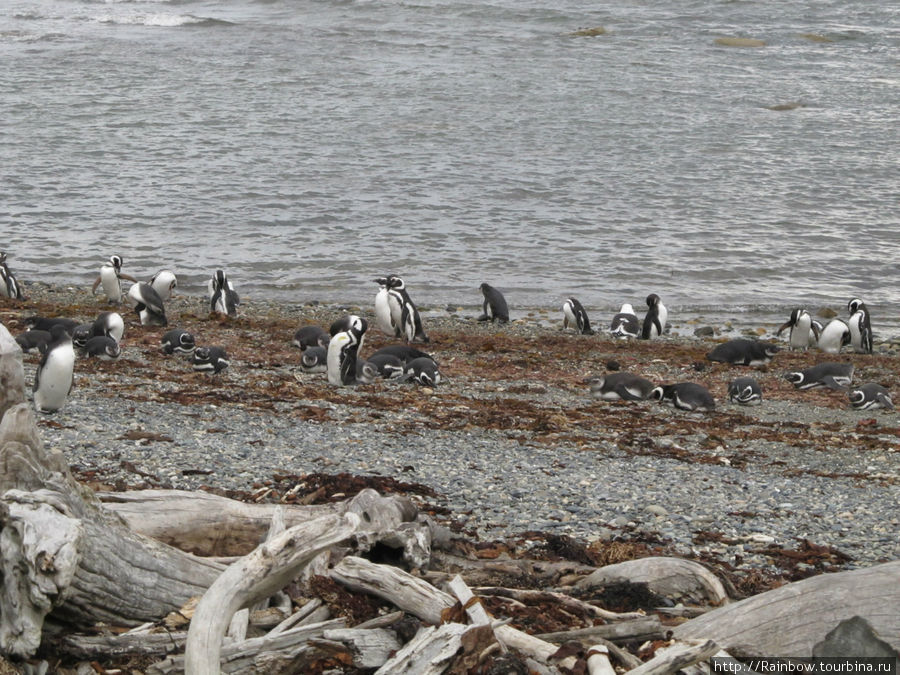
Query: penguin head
[(116, 262), (393, 281), (770, 349), (381, 281), (2, 257), (220, 281), (657, 393), (857, 397), (795, 378), (652, 300), (366, 373), (186, 341), (82, 334), (854, 305)]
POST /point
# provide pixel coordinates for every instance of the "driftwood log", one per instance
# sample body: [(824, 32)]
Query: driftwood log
[(209, 525), (790, 620)]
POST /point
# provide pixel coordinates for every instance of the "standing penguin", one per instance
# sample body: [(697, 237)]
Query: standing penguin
[(384, 317), (804, 332), (55, 373), (494, 305), (655, 319), (9, 287), (111, 276), (860, 326), (625, 323), (164, 283), (343, 351), (223, 299), (574, 315), (834, 336), (410, 321), (148, 305)]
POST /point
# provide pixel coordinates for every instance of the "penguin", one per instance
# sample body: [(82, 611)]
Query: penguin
[(314, 359), (109, 324), (223, 299), (343, 324), (494, 306), (620, 386), (685, 396), (33, 340), (829, 374), (310, 336), (342, 352), (655, 319), (804, 332), (574, 315), (741, 352), (102, 347), (422, 370), (384, 317), (148, 305), (210, 360), (111, 276), (404, 353), (164, 283), (860, 326), (81, 335), (366, 373), (870, 396), (625, 323), (55, 374), (409, 321), (9, 287), (389, 366), (745, 391), (178, 341), (834, 336), (45, 323)]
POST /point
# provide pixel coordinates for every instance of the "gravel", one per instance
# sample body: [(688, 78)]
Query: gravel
[(831, 488)]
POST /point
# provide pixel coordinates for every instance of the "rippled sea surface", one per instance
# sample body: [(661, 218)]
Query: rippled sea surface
[(307, 146)]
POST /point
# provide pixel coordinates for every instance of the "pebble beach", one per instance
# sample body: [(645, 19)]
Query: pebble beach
[(511, 442)]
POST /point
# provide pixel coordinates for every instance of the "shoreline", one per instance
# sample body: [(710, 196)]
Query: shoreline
[(511, 442)]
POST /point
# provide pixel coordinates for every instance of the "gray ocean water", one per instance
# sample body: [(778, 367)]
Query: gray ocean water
[(307, 146)]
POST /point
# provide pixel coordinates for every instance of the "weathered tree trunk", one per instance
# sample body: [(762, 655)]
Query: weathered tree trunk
[(790, 620), (65, 561)]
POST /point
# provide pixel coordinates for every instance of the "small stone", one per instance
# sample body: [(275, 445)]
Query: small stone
[(704, 331), (656, 510)]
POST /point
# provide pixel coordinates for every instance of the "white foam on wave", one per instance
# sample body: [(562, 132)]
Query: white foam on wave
[(155, 19)]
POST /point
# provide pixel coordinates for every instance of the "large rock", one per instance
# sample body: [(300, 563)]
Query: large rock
[(674, 578)]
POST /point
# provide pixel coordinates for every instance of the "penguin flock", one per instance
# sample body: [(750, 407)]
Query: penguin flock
[(805, 333), (338, 352)]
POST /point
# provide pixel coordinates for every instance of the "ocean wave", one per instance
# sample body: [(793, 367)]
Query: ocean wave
[(159, 20)]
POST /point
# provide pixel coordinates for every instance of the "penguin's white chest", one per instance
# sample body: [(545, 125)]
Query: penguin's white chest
[(334, 357), (111, 284), (383, 313), (55, 379)]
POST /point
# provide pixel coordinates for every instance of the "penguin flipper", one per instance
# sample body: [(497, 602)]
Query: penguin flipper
[(626, 394), (127, 277), (95, 286), (783, 327), (885, 401), (831, 383)]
